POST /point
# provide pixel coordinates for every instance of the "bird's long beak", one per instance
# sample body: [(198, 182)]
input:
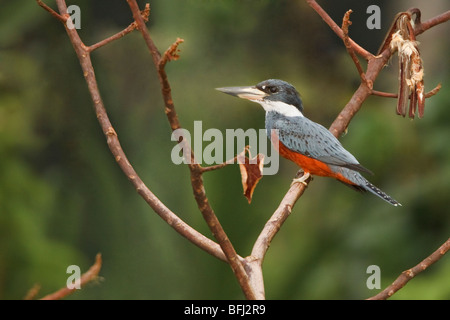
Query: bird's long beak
[(250, 93)]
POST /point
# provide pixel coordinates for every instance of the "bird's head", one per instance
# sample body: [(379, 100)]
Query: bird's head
[(273, 95)]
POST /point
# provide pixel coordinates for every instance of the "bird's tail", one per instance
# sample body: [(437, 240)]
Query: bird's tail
[(359, 183), (379, 193)]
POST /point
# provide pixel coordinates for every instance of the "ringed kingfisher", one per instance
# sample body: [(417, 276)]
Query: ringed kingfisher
[(310, 145)]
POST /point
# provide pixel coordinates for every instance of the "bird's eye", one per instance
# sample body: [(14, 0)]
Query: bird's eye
[(273, 89)]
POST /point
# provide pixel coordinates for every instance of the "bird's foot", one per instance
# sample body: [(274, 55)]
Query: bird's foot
[(302, 179)]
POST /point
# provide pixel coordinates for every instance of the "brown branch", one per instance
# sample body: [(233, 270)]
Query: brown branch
[(33, 292), (114, 145), (276, 220), (219, 166), (255, 260), (173, 220), (156, 56), (145, 14), (172, 53), (88, 276), (433, 91), (248, 271), (322, 13), (341, 123), (339, 126), (224, 164), (216, 228), (345, 25), (375, 64), (423, 26), (51, 11), (395, 95), (407, 275), (116, 36), (384, 94), (196, 172)]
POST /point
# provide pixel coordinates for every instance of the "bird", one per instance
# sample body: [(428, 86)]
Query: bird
[(307, 143)]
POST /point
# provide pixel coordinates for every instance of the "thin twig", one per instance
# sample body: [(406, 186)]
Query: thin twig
[(220, 165), (145, 14), (433, 91), (88, 276), (423, 26), (384, 94), (32, 293), (116, 36), (51, 11), (407, 275), (395, 95), (322, 13), (170, 54), (345, 25)]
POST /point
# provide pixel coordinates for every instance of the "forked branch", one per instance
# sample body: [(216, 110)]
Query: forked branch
[(196, 173), (375, 65), (114, 145), (248, 271)]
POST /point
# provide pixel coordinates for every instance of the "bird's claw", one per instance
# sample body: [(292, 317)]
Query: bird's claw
[(302, 179)]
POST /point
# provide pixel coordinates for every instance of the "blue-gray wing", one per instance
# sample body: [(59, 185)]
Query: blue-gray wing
[(311, 139)]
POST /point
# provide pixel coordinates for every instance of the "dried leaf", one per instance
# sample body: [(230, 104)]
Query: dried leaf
[(251, 172), (387, 42), (401, 39), (403, 89)]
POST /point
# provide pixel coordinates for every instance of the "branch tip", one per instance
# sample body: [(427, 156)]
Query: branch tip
[(350, 48), (51, 11), (88, 276), (409, 274), (171, 54)]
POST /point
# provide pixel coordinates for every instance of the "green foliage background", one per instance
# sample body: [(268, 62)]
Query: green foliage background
[(63, 198)]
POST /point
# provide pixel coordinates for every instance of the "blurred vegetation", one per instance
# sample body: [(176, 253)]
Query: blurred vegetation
[(63, 198)]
